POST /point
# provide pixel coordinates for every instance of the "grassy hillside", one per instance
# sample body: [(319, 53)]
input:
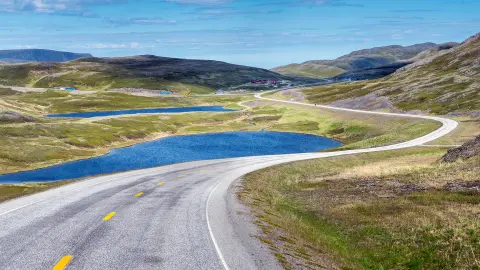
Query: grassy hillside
[(38, 55), (391, 210), (362, 59), (309, 70), (446, 82), (148, 72)]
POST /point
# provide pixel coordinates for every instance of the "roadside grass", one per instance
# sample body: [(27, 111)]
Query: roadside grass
[(388, 210), (7, 92), (329, 93), (354, 130), (467, 128), (409, 91), (8, 192)]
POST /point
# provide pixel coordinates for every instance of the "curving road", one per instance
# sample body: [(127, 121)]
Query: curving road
[(181, 216)]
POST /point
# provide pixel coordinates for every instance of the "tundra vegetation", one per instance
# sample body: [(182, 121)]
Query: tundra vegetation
[(446, 82), (402, 209), (146, 72), (45, 141), (358, 60), (33, 141)]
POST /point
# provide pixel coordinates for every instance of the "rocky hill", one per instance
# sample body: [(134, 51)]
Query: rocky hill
[(370, 73), (468, 150), (147, 72), (358, 60), (38, 55), (446, 81)]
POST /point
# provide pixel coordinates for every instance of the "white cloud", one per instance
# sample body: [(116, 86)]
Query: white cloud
[(52, 6), (127, 21), (26, 46), (131, 45), (199, 2)]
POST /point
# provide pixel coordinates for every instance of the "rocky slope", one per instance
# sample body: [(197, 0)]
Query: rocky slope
[(443, 82), (38, 55), (14, 117), (357, 60), (468, 150), (148, 72)]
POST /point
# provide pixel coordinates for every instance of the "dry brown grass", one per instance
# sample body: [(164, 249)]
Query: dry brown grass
[(8, 192), (391, 210)]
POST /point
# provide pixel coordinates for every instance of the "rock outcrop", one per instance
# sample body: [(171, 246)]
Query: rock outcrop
[(14, 117), (468, 150)]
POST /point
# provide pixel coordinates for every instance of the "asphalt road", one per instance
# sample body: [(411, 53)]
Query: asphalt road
[(181, 216)]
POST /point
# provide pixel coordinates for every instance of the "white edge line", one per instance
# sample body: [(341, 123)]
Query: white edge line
[(444, 121), (215, 244)]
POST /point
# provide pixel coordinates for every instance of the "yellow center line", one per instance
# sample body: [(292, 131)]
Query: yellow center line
[(181, 175), (62, 264), (161, 183), (109, 216), (139, 194)]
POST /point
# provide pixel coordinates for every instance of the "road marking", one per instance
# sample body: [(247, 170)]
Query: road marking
[(217, 248), (109, 216), (181, 175), (161, 183), (447, 126), (139, 194), (204, 171), (77, 189), (62, 264)]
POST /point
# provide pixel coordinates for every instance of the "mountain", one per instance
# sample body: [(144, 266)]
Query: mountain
[(445, 81), (357, 60), (38, 55), (310, 69), (370, 73), (146, 72)]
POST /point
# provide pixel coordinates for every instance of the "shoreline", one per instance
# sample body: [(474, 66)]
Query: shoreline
[(155, 138)]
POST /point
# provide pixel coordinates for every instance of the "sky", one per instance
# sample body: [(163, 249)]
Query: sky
[(257, 33)]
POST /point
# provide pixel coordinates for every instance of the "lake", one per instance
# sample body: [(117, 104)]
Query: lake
[(177, 149), (143, 111)]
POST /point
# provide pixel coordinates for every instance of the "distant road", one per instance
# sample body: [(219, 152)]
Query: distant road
[(181, 216)]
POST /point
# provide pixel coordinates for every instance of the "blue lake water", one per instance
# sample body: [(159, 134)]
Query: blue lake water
[(177, 149), (143, 111)]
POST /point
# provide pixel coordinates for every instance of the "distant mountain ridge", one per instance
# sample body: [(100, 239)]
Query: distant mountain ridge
[(38, 55), (358, 60), (445, 81), (146, 72)]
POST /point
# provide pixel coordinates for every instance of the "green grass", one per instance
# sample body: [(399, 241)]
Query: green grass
[(8, 192), (7, 91), (87, 78), (97, 81), (52, 141), (330, 93), (355, 131), (386, 210), (309, 71), (63, 102), (449, 83), (27, 146)]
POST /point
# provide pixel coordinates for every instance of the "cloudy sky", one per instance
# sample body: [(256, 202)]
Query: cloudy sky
[(263, 33)]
